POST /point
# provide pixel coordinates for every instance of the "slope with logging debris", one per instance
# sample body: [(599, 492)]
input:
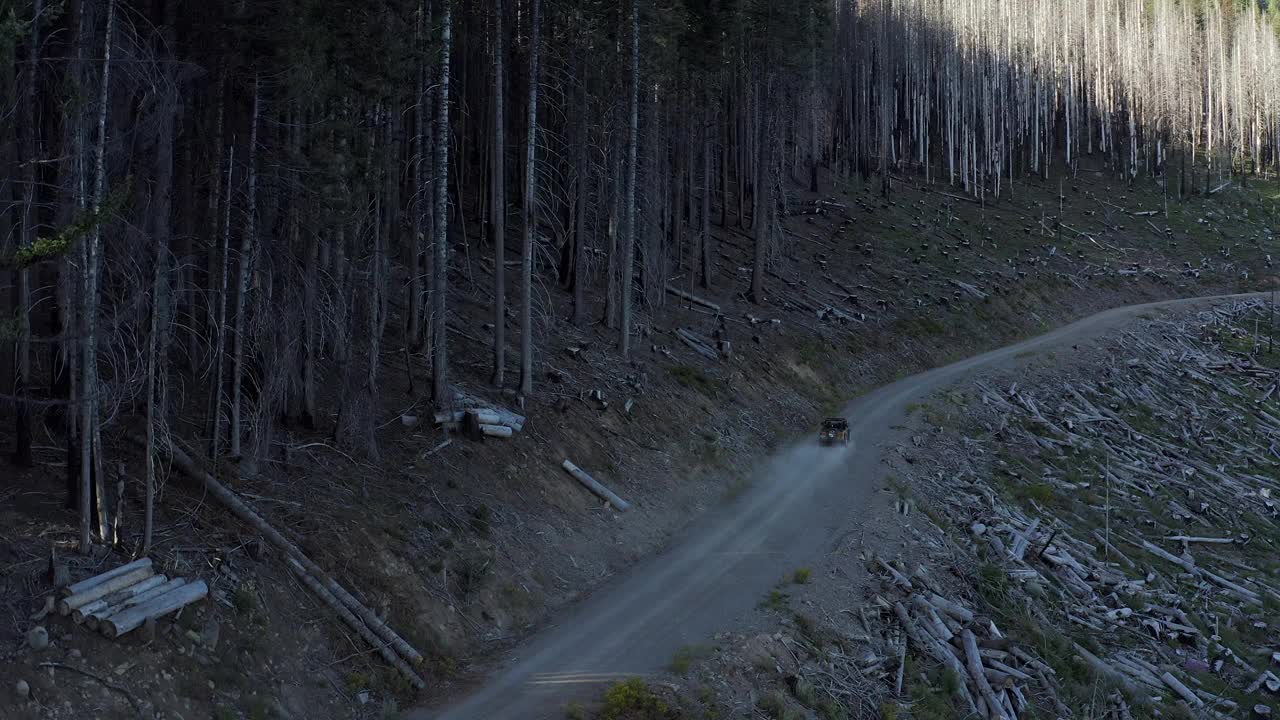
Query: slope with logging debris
[(1090, 536)]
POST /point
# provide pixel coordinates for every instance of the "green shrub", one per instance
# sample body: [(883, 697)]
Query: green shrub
[(633, 700), (801, 576)]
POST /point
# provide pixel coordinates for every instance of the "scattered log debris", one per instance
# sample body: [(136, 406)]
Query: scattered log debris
[(1173, 451)]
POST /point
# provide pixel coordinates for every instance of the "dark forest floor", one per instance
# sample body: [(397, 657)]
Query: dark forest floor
[(469, 547)]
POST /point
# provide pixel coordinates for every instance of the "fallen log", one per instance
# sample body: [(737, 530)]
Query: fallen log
[(79, 614), (697, 345), (951, 608), (88, 583), (498, 431), (1102, 668), (590, 483), (124, 622), (1183, 691), (103, 589), (355, 624), (241, 510), (486, 417), (1159, 552), (973, 658), (1192, 539), (693, 298)]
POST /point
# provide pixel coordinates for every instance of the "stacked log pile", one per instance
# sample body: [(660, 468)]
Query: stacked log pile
[(122, 599), (1132, 512), (479, 419)]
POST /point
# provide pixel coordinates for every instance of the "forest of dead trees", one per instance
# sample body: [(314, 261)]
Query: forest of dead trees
[(221, 216)]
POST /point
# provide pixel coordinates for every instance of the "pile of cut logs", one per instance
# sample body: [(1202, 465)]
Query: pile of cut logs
[(121, 600), (478, 419)]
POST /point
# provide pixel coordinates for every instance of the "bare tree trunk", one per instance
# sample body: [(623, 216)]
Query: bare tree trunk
[(89, 313), (760, 216), (580, 276), (247, 250), (633, 141), (161, 232), (414, 336), (530, 206), (499, 193), (705, 237), (30, 159), (219, 350), (440, 285)]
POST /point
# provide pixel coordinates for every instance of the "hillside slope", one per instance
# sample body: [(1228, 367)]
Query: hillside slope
[(466, 547)]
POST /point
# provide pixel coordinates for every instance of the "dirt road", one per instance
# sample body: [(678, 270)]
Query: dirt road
[(801, 502)]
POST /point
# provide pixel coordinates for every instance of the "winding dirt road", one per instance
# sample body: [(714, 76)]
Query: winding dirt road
[(800, 504)]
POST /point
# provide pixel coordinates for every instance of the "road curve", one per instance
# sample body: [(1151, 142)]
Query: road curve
[(802, 500)]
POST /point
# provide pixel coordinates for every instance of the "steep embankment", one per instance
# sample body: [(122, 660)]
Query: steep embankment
[(467, 547)]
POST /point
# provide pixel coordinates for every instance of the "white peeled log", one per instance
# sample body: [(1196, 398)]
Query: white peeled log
[(94, 620), (132, 618), (590, 483), (498, 431), (79, 614), (486, 417), (1183, 691), (92, 582), (103, 589), (693, 298), (952, 608), (974, 666)]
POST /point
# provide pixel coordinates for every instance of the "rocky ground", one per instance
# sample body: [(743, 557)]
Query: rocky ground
[(1094, 536), (466, 547)]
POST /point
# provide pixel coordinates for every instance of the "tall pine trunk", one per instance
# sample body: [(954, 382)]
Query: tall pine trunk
[(30, 159), (247, 250), (629, 231), (579, 273), (440, 284), (89, 312), (498, 195), (760, 214), (705, 235), (156, 344), (530, 207), (220, 342)]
